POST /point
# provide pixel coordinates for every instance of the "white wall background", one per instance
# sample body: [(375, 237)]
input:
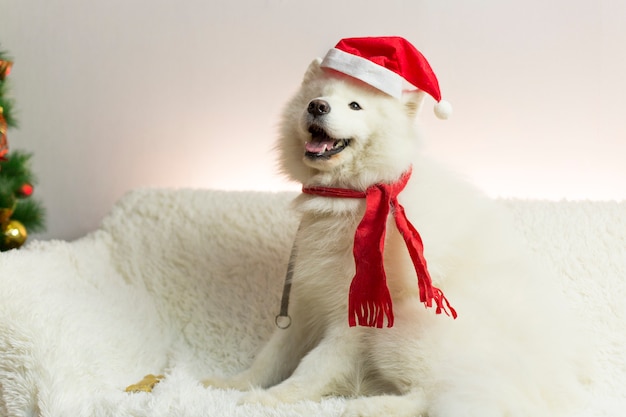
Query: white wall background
[(119, 94)]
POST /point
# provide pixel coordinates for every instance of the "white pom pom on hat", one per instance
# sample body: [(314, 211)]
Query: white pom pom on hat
[(390, 64), (443, 109)]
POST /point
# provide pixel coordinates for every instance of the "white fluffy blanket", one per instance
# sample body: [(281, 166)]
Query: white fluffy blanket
[(187, 283)]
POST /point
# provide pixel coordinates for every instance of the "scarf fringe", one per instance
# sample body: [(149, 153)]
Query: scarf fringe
[(370, 313), (443, 305)]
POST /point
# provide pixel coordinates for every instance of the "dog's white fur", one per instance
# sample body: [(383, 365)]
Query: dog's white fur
[(510, 353)]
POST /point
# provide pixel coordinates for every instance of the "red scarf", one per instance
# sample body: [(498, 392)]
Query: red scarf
[(369, 300)]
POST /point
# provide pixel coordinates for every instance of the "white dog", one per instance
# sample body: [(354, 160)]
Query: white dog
[(509, 353)]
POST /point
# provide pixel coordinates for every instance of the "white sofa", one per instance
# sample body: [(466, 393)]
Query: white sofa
[(187, 283)]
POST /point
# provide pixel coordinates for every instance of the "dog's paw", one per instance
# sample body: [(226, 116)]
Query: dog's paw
[(214, 382), (385, 405), (281, 394), (225, 383), (261, 397)]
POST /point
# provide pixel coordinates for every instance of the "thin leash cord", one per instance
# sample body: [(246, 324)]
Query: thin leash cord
[(283, 320)]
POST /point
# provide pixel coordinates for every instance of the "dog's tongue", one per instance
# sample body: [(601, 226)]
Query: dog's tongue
[(319, 146)]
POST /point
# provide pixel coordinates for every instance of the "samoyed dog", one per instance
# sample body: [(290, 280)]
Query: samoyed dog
[(510, 351)]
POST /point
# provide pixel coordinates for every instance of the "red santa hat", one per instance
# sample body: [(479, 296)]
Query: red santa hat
[(390, 64)]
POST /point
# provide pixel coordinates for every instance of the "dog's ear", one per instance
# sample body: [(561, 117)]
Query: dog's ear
[(412, 101), (313, 71)]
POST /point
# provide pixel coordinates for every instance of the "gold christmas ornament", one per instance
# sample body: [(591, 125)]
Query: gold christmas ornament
[(14, 235)]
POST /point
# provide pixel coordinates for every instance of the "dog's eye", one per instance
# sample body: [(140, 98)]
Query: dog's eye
[(354, 106)]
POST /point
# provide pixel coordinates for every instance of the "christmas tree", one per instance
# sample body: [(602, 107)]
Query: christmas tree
[(18, 212)]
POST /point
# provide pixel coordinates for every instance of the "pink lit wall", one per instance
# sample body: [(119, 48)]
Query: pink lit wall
[(123, 94)]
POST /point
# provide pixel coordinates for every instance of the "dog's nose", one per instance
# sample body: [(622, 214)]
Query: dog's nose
[(318, 107)]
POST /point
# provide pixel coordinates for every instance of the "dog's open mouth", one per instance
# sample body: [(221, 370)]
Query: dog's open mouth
[(322, 145)]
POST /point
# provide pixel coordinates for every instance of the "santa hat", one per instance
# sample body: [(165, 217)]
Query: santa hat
[(390, 64)]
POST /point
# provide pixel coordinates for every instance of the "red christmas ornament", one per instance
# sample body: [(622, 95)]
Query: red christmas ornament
[(4, 143), (5, 69), (26, 190)]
